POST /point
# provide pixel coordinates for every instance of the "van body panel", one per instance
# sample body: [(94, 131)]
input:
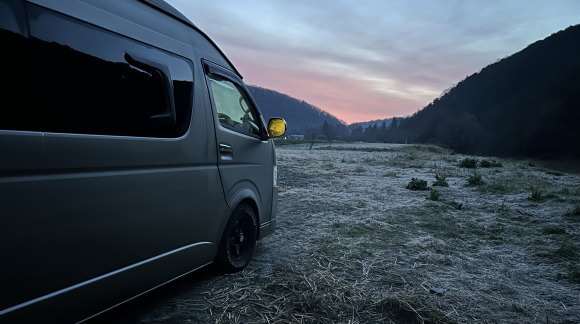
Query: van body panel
[(267, 228), (138, 20), (22, 152), (249, 165), (22, 201), (113, 200), (88, 298), (135, 19), (105, 220), (92, 217)]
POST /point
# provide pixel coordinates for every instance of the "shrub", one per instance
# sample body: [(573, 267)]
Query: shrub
[(574, 274), (552, 195), (434, 195), (497, 187), (484, 164), (575, 212), (329, 165), (456, 205), (474, 180), (567, 251), (535, 194), (554, 173), (440, 181), (554, 230), (489, 164), (468, 163), (417, 184), (538, 195)]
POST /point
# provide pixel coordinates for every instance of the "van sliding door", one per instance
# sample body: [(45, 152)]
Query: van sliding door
[(127, 168)]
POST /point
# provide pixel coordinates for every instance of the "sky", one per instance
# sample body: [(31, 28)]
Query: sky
[(363, 60)]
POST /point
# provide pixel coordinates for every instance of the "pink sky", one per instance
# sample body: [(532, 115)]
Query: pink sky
[(329, 93), (372, 59)]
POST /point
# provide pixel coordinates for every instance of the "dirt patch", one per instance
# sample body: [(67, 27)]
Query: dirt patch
[(353, 245)]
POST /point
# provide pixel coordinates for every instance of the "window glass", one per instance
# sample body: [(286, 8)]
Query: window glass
[(232, 107), (81, 79)]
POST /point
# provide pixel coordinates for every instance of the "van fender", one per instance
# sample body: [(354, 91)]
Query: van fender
[(246, 192)]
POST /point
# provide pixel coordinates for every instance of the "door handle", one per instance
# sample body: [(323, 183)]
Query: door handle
[(226, 149)]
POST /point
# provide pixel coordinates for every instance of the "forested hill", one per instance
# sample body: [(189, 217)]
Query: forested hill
[(527, 104), (299, 115)]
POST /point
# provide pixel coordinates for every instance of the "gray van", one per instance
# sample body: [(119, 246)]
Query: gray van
[(131, 154)]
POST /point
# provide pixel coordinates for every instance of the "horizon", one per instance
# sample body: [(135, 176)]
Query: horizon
[(410, 54)]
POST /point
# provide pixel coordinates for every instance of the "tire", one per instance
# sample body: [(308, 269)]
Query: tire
[(238, 240)]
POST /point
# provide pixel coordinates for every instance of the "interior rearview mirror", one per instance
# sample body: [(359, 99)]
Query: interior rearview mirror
[(276, 127)]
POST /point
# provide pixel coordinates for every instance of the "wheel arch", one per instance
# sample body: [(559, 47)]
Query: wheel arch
[(247, 196), (243, 196)]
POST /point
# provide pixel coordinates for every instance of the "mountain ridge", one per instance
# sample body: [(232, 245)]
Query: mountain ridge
[(525, 104), (300, 115)]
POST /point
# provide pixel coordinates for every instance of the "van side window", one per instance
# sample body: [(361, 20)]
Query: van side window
[(91, 81), (234, 111)]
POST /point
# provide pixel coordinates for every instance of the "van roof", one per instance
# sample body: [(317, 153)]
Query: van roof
[(169, 10)]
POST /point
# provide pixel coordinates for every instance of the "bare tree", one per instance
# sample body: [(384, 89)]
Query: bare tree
[(327, 132), (311, 132)]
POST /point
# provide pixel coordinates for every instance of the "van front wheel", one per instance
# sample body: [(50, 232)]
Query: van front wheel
[(238, 240)]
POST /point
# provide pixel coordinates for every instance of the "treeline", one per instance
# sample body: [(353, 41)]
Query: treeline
[(380, 132), (387, 132)]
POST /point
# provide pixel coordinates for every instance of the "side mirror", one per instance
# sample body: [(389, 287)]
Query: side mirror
[(276, 127)]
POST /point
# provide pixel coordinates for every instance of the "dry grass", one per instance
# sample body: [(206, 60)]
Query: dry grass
[(331, 292), (354, 246)]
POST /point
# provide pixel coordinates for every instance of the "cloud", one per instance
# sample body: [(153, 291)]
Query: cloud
[(371, 59)]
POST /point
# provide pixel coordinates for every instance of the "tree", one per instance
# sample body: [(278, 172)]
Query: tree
[(327, 131), (311, 133), (357, 133)]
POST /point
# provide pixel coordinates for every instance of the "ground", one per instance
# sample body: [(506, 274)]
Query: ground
[(359, 240)]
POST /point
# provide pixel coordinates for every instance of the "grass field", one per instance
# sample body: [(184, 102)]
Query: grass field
[(373, 233)]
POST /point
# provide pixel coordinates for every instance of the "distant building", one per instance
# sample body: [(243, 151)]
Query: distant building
[(296, 137)]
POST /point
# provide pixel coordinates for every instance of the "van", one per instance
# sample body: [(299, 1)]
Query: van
[(131, 153)]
